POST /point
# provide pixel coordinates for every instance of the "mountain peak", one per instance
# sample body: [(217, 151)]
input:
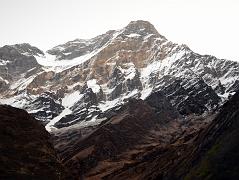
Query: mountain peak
[(140, 22), (141, 27)]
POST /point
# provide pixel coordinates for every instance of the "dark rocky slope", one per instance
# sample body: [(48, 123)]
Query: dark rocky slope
[(25, 148), (211, 153), (150, 140), (136, 132), (221, 160)]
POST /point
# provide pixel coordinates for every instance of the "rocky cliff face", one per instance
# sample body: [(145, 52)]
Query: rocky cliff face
[(26, 148), (18, 59), (88, 78)]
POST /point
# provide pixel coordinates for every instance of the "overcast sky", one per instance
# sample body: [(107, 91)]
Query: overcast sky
[(206, 26)]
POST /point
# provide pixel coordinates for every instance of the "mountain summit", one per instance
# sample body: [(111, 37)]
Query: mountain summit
[(83, 81), (140, 27)]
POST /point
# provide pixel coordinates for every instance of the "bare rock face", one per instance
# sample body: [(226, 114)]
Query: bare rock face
[(51, 107), (38, 83), (141, 27), (17, 59), (160, 104), (80, 47), (4, 84), (17, 63), (187, 97), (26, 149)]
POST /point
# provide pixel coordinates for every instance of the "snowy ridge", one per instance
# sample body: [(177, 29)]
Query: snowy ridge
[(52, 62)]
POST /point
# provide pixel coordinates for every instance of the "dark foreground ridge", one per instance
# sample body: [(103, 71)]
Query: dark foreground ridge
[(221, 142), (25, 148)]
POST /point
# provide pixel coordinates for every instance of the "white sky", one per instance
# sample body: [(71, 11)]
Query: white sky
[(206, 26)]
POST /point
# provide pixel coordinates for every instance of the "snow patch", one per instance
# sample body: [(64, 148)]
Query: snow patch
[(18, 101), (6, 81), (93, 85), (70, 99), (226, 81), (59, 65), (154, 66), (131, 94), (104, 106), (133, 35), (145, 93), (22, 83), (130, 73), (3, 62), (49, 127)]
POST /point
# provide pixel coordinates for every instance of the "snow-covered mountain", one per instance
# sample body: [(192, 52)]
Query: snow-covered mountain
[(85, 81)]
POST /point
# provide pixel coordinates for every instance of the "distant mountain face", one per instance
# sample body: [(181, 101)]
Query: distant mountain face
[(84, 82)]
